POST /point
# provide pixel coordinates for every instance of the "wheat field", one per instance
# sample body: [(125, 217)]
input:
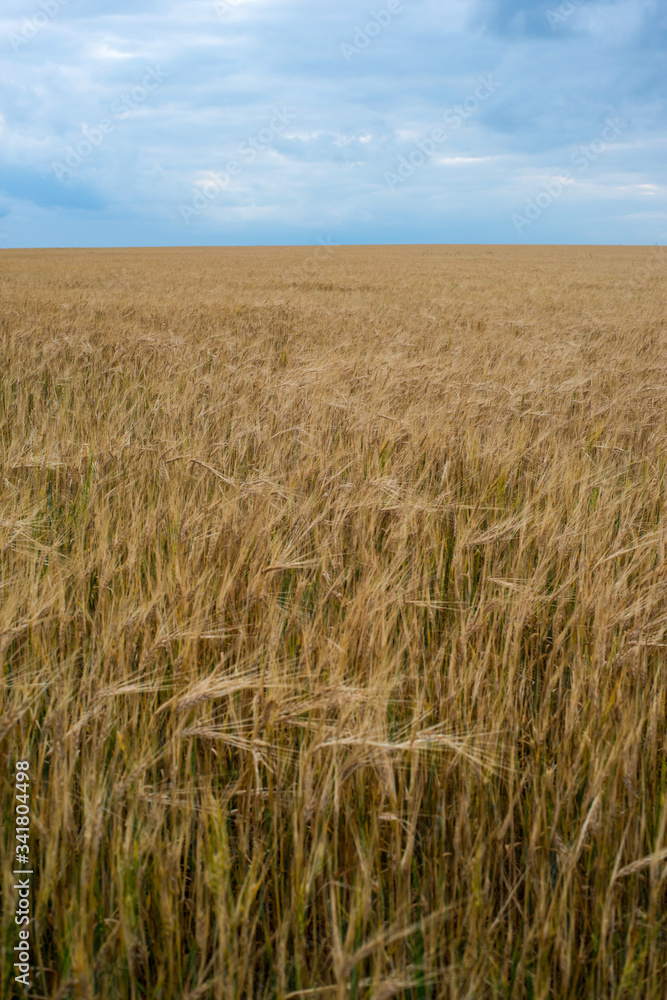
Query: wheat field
[(333, 621)]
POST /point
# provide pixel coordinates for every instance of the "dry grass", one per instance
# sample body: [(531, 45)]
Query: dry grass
[(334, 619)]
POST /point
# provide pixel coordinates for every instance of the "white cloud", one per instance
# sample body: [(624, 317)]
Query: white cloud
[(458, 161), (352, 122)]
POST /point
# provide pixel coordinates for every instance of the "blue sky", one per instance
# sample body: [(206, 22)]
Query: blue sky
[(242, 122)]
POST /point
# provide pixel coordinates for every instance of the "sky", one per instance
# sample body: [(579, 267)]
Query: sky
[(332, 122)]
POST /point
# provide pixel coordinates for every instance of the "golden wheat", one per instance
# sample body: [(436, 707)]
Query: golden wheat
[(333, 620)]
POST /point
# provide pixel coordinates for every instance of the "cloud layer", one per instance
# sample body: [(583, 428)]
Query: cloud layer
[(199, 122)]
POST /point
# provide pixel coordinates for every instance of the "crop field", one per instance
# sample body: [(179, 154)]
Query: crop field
[(333, 621)]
